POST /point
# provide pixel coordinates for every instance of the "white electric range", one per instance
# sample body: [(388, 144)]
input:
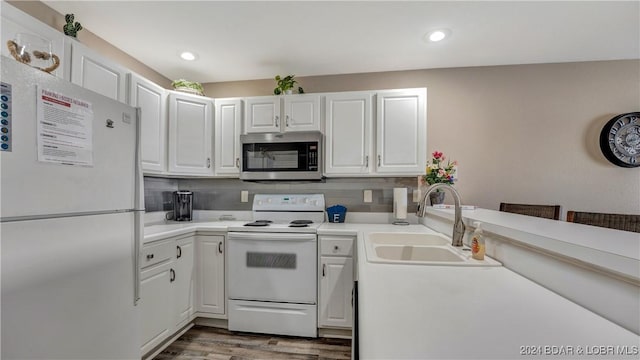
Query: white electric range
[(273, 266)]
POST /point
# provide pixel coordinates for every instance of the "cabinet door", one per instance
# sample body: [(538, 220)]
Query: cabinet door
[(211, 294), (155, 305), (302, 113), (151, 98), (227, 136), (15, 22), (97, 73), (183, 286), (190, 134), (401, 129), (262, 114), (336, 285), (348, 133)]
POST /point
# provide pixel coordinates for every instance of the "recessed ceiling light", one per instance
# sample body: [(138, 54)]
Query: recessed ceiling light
[(187, 55), (437, 35)]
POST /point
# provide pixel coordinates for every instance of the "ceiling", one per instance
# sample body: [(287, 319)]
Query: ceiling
[(241, 40)]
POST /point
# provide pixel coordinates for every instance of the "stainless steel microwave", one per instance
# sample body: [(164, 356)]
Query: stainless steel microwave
[(287, 156)]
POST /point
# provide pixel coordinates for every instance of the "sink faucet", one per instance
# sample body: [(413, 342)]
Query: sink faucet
[(458, 225)]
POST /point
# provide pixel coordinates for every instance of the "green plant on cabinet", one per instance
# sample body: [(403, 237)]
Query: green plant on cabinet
[(285, 84), (71, 28)]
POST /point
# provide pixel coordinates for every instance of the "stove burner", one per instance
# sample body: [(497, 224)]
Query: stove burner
[(257, 223), (301, 222), (263, 221), (296, 225)]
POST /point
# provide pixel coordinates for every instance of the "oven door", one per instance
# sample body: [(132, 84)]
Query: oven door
[(278, 267)]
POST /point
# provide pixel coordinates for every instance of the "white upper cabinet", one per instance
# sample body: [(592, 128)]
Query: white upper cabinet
[(348, 134), (97, 73), (228, 122), (401, 128), (302, 112), (151, 99), (16, 22), (262, 114), (190, 134)]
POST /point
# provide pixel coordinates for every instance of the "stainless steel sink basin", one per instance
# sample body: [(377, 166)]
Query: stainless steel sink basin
[(417, 253), (413, 239)]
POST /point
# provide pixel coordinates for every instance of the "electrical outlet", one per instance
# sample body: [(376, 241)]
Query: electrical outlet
[(416, 195), (244, 196), (368, 196)]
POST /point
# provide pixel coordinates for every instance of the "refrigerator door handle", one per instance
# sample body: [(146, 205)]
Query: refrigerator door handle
[(138, 205)]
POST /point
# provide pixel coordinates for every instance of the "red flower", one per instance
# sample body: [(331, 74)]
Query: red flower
[(437, 155)]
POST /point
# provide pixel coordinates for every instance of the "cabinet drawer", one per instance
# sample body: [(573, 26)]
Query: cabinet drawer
[(338, 246), (155, 253)]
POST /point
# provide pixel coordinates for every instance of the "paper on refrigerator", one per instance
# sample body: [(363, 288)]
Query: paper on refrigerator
[(65, 129)]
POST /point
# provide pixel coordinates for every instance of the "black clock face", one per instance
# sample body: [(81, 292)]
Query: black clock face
[(620, 140)]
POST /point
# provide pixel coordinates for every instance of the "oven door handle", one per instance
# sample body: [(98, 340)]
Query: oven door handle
[(235, 236)]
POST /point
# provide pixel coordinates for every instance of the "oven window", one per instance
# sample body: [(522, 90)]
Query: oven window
[(271, 260)]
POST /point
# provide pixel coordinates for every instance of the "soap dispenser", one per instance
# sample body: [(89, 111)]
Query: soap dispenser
[(477, 242)]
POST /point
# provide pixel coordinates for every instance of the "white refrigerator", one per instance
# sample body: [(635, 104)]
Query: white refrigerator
[(71, 220)]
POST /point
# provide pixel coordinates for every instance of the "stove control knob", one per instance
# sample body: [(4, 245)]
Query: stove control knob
[(314, 203), (269, 200), (306, 200), (259, 202)]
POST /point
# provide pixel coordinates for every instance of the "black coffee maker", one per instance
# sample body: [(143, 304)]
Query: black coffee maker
[(182, 205)]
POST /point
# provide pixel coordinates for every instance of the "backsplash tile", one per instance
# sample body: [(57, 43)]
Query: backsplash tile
[(224, 194), (158, 193)]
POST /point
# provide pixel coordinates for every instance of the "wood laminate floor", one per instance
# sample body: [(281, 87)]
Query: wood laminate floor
[(202, 342)]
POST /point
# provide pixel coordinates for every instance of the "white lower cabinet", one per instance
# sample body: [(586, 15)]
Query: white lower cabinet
[(336, 282), (211, 285), (184, 281), (155, 289), (166, 289)]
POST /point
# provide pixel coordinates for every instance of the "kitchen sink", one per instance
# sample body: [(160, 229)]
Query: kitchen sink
[(419, 248), (417, 253), (412, 239)]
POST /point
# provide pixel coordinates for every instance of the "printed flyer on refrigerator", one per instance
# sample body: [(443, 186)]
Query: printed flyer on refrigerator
[(64, 129)]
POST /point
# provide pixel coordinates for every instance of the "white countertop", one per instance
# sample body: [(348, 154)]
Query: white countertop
[(153, 232), (614, 250), (421, 311)]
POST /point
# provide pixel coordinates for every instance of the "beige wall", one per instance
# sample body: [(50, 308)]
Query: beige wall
[(524, 133), (54, 19)]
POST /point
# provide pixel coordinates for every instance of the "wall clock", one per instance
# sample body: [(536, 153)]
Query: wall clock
[(620, 140)]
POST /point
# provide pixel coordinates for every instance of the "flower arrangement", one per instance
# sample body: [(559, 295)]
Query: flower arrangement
[(437, 172)]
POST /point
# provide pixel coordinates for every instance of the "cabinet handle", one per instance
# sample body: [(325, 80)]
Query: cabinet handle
[(287, 121), (238, 163), (277, 121), (324, 266), (149, 256), (179, 252), (172, 278), (352, 297), (379, 158), (220, 247), (336, 248), (208, 162), (366, 161)]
